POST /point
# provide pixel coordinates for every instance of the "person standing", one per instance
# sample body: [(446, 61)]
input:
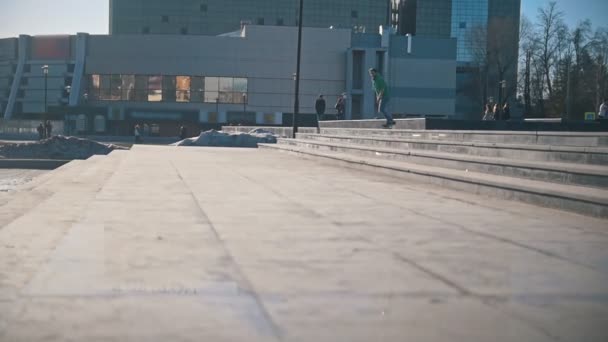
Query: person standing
[(506, 112), (382, 96), (320, 107), (137, 134), (496, 112), (48, 127), (40, 130), (603, 113), (183, 133), (488, 115), (340, 107)]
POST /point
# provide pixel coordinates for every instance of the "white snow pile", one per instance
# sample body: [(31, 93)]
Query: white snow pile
[(57, 147), (223, 139)]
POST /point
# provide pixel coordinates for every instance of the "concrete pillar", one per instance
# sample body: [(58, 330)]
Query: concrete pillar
[(77, 80), (24, 43)]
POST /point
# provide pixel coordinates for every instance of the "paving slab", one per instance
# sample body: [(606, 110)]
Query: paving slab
[(216, 244)]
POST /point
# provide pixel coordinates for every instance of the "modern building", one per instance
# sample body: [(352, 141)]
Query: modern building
[(487, 34), (212, 17), (107, 83)]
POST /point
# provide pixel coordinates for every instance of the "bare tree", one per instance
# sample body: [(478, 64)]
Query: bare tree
[(478, 36), (550, 24), (528, 45), (600, 51)]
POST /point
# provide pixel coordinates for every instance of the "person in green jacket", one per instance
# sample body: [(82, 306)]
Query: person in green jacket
[(382, 96)]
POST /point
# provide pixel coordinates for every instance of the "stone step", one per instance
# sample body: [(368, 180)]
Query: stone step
[(581, 139), (539, 153), (579, 199), (562, 173)]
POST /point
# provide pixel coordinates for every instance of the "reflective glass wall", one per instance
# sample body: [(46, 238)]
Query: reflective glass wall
[(165, 88), (469, 27)]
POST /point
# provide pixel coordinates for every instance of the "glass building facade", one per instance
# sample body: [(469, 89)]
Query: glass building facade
[(167, 88), (469, 22), (482, 28), (212, 17)]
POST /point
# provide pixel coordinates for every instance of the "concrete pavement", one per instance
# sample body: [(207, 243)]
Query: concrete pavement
[(212, 244)]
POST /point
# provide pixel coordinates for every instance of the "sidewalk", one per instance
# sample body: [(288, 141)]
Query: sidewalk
[(212, 244)]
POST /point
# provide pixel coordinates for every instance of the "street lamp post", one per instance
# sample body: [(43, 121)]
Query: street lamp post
[(296, 105), (66, 121), (502, 85), (45, 70), (244, 103)]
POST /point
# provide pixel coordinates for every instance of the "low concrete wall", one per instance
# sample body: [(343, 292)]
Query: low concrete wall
[(283, 132), (32, 164), (451, 124)]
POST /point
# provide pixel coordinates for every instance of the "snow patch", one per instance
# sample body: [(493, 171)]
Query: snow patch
[(57, 147), (223, 139)]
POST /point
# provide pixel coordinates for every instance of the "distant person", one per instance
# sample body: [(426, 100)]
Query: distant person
[(48, 127), (183, 133), (340, 107), (506, 112), (40, 130), (603, 113), (320, 107), (488, 114), (137, 133), (382, 96), (496, 112)]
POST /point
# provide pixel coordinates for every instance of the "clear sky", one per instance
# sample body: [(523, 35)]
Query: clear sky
[(71, 16), (574, 10)]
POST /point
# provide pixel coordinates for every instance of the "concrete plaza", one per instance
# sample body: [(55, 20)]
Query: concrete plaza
[(213, 244)]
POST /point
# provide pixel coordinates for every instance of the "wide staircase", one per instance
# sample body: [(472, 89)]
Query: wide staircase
[(562, 170)]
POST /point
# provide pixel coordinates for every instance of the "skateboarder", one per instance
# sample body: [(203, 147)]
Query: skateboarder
[(382, 96)]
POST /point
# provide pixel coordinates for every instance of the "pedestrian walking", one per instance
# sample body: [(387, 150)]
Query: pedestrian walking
[(40, 130), (496, 112), (48, 127), (183, 133), (382, 96), (488, 114), (137, 134), (320, 107), (340, 106), (603, 113), (506, 112)]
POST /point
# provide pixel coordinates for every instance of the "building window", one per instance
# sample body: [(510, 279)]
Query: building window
[(260, 21), (280, 22), (463, 24), (165, 18), (212, 89), (169, 89), (104, 87), (94, 86), (197, 88), (354, 14), (225, 89), (141, 88), (239, 87), (155, 88), (145, 30), (226, 95), (128, 87), (115, 87), (182, 89), (203, 8)]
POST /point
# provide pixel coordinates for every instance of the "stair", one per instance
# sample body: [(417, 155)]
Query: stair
[(565, 177)]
